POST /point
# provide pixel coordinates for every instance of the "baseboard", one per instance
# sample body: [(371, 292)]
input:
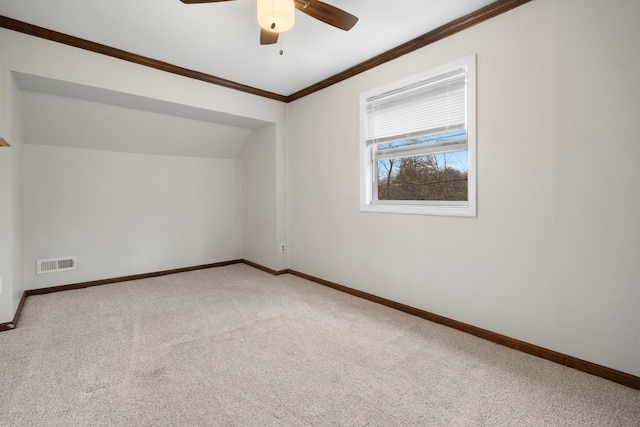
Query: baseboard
[(42, 291), (82, 285), (265, 269), (563, 359), (13, 324), (553, 356)]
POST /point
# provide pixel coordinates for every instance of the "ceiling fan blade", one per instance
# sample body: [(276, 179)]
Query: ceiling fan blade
[(268, 37), (202, 1), (327, 14)]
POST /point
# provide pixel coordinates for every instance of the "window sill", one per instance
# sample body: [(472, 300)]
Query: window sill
[(420, 209)]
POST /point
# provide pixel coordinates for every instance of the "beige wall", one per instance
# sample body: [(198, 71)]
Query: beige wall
[(552, 258)]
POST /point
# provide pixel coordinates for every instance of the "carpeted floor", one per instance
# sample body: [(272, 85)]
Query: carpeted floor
[(234, 346)]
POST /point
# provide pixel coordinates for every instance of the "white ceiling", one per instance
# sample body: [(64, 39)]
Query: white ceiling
[(222, 39)]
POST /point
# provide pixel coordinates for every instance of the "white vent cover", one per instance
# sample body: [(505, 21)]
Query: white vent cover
[(54, 265)]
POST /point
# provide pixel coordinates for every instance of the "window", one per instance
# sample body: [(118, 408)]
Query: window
[(418, 143)]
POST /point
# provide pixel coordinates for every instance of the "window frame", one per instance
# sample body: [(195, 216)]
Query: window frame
[(368, 170)]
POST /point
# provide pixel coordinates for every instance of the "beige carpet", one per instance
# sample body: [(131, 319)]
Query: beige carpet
[(233, 346)]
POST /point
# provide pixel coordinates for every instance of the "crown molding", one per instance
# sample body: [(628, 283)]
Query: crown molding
[(44, 33), (492, 10)]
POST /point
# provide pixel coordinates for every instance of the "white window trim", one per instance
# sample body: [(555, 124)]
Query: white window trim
[(468, 209)]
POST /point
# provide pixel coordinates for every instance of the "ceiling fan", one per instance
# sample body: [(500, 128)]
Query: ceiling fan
[(277, 16)]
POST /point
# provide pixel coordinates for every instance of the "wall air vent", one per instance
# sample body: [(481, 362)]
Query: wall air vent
[(54, 265)]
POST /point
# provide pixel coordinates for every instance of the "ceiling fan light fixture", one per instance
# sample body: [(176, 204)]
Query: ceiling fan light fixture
[(276, 15)]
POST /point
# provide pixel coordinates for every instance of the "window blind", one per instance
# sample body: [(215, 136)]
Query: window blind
[(426, 108)]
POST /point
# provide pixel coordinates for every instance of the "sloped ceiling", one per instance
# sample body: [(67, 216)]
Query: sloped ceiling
[(66, 114)]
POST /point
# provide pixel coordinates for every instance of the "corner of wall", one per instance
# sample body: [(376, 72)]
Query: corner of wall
[(17, 178), (11, 259), (259, 198)]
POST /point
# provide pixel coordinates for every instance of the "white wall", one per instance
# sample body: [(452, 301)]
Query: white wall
[(17, 206), (123, 213), (11, 260), (79, 231), (259, 198), (552, 258), (6, 235)]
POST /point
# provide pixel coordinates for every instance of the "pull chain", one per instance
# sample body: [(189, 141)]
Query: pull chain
[(273, 14)]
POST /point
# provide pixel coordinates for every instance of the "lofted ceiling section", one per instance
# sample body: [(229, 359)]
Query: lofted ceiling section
[(71, 115)]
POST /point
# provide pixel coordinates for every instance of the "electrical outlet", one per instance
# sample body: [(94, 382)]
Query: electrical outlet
[(282, 247)]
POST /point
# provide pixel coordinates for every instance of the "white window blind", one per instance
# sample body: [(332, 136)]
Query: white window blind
[(418, 143), (426, 108)]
